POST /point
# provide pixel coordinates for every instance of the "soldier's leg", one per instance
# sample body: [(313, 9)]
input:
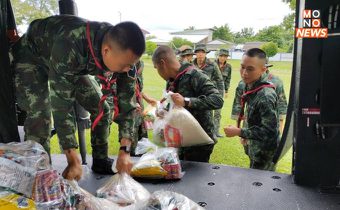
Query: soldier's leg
[(88, 94), (32, 95), (217, 121), (263, 161)]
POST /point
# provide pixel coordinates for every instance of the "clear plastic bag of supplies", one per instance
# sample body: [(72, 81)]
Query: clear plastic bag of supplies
[(144, 146), (16, 177), (29, 154), (168, 200), (149, 116), (122, 189), (47, 189), (162, 163), (12, 201), (178, 128), (86, 201)]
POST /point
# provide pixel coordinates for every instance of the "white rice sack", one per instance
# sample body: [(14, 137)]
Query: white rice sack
[(183, 130)]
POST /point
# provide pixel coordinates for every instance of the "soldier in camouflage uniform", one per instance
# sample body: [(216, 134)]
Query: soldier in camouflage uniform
[(212, 71), (262, 121), (186, 54), (192, 90), (61, 53), (279, 89), (225, 69)]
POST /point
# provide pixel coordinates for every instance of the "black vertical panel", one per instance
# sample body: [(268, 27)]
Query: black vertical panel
[(8, 123), (316, 148), (330, 83)]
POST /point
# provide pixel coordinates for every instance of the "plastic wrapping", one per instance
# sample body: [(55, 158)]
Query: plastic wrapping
[(144, 146), (86, 201), (177, 127), (167, 200), (149, 115), (12, 201), (122, 189), (16, 177), (162, 163), (29, 154), (183, 130), (47, 189)]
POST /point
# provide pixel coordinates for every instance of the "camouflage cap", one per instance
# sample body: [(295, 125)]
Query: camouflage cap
[(185, 50), (223, 52), (267, 63), (201, 47)]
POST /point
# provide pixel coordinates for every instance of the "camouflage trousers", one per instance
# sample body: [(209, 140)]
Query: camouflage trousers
[(217, 120), (41, 91), (260, 159)]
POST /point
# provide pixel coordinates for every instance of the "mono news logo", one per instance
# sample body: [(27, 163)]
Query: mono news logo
[(311, 25)]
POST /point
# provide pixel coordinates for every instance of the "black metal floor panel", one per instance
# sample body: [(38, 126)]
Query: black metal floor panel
[(225, 187)]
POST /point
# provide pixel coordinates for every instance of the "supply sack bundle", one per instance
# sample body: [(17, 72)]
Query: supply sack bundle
[(123, 190), (177, 127), (144, 146), (86, 201), (28, 154), (168, 200), (160, 164), (19, 163)]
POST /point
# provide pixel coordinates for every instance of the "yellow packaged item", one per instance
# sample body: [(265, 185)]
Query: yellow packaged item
[(11, 201)]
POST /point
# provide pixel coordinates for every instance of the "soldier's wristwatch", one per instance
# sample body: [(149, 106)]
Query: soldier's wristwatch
[(186, 102), (126, 149)]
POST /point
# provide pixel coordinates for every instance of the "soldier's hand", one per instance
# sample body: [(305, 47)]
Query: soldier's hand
[(225, 94), (124, 163), (73, 171), (138, 108), (178, 99), (231, 131), (153, 102), (244, 142)]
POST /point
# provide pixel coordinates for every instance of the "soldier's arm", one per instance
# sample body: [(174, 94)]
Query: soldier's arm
[(127, 106), (282, 101), (268, 128), (209, 97), (217, 77), (236, 109), (227, 81)]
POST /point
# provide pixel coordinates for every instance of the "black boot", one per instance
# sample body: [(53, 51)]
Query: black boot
[(102, 166)]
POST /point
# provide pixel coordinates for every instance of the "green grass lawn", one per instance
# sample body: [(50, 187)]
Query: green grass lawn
[(228, 150)]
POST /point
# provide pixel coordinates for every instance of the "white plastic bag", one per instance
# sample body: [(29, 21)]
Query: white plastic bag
[(162, 163), (168, 200), (178, 128), (144, 146), (122, 189), (86, 201)]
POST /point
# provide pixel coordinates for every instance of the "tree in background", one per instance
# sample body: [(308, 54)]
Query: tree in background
[(25, 11), (270, 48), (223, 32), (245, 35), (271, 34), (176, 42), (150, 47), (190, 28)]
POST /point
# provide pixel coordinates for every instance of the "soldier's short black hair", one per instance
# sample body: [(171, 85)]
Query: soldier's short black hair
[(162, 52), (127, 35), (256, 52)]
